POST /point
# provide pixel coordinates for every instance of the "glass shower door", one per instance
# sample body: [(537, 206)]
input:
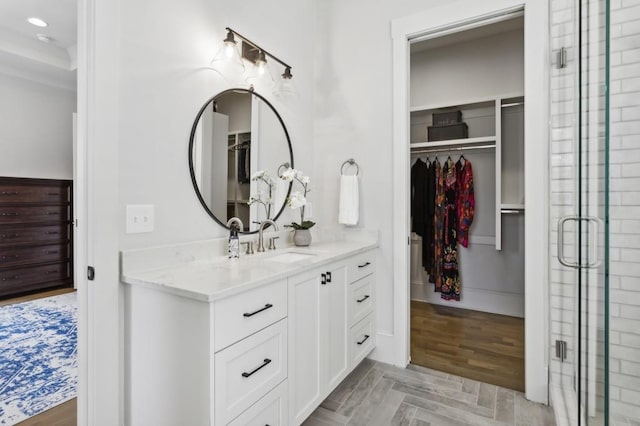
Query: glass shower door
[(579, 210)]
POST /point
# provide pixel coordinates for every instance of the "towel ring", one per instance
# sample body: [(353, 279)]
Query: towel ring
[(350, 162), (283, 166)]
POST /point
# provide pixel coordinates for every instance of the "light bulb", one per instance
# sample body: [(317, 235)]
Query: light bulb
[(261, 63), (229, 48)]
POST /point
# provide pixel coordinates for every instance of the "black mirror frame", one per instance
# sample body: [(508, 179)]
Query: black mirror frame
[(190, 153)]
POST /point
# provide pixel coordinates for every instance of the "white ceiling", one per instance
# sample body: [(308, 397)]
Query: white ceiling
[(21, 53)]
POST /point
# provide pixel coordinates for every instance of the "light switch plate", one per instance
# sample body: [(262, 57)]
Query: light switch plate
[(140, 218)]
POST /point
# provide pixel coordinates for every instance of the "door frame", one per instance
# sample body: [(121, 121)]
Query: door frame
[(100, 320), (444, 20)]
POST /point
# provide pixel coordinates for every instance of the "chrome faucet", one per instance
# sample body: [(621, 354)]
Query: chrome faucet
[(237, 221), (260, 238)]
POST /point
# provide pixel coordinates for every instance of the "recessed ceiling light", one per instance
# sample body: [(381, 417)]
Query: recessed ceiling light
[(45, 38), (37, 22)]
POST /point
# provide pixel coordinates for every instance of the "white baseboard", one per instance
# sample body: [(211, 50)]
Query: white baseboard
[(386, 350), (495, 302)]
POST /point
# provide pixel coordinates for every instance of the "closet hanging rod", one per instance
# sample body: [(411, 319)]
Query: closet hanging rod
[(445, 149), (512, 104)]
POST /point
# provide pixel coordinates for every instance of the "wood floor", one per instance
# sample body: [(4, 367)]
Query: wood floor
[(477, 345), (377, 394), (61, 415)]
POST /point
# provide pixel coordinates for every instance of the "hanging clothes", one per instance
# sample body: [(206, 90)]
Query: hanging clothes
[(427, 241), (466, 202), (418, 196), (438, 224), (450, 281), (419, 213)]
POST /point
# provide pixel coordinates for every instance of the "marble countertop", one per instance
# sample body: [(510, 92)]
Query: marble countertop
[(219, 277)]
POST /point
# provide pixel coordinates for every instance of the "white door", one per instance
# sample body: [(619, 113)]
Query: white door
[(305, 323), (333, 305)]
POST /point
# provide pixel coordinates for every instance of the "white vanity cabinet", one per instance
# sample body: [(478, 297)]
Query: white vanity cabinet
[(206, 345), (325, 342)]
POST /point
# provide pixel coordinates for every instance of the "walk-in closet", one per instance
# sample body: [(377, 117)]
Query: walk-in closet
[(467, 202)]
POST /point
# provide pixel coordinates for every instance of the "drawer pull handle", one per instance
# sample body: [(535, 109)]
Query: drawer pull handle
[(328, 277), (15, 277), (53, 193), (55, 271), (366, 336), (267, 306), (52, 232), (9, 235), (364, 265), (323, 279), (366, 296), (52, 213), (12, 256), (10, 214), (9, 193), (266, 362), (52, 252)]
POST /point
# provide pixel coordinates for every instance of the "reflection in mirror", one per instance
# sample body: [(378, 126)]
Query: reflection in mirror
[(238, 144)]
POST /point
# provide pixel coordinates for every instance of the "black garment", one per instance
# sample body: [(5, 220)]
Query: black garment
[(422, 208), (244, 165), (418, 196)]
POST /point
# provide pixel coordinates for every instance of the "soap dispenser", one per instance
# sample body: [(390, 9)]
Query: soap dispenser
[(234, 242)]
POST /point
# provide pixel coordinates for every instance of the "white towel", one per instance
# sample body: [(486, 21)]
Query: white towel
[(349, 213), (280, 195)]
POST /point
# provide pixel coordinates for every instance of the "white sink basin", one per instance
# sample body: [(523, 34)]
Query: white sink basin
[(291, 257)]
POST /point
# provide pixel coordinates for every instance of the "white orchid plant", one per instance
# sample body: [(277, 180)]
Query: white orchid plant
[(298, 199), (267, 201)]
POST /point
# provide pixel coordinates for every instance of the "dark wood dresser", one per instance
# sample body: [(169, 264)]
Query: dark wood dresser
[(36, 235)]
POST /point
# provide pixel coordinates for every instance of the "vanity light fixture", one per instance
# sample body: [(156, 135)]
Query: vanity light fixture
[(44, 38), (37, 22), (251, 52)]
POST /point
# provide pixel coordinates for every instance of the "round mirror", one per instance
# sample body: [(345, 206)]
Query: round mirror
[(239, 146)]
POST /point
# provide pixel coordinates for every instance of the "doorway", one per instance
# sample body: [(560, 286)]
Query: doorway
[(467, 202), (451, 19)]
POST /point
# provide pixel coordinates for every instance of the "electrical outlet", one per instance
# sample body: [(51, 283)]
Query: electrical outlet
[(140, 218)]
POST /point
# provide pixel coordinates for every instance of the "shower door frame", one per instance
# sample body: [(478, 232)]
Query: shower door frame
[(440, 21)]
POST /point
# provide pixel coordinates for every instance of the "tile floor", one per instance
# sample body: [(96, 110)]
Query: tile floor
[(381, 394)]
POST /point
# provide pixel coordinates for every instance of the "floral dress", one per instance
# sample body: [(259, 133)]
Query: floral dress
[(438, 222), (450, 281)]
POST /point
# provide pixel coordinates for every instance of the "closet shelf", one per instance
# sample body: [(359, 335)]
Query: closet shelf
[(454, 142), (512, 206)]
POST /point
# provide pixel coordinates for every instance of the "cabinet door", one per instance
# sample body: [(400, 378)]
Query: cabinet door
[(305, 345), (334, 321)]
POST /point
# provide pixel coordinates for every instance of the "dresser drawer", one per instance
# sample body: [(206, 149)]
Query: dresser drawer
[(248, 370), (25, 279), (271, 410), (361, 298), (239, 316), (363, 336), (362, 265), (35, 214), (16, 193), (16, 256), (35, 234)]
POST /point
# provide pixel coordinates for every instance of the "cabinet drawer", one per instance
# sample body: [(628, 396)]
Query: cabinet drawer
[(35, 214), (248, 370), (271, 410), (25, 279), (362, 265), (35, 234), (242, 315), (56, 194), (363, 336), (361, 298), (16, 256)]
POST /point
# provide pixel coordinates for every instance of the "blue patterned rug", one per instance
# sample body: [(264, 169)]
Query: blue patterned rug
[(38, 356)]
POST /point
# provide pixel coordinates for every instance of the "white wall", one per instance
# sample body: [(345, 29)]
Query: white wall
[(476, 69), (36, 136), (165, 79), (352, 119)]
